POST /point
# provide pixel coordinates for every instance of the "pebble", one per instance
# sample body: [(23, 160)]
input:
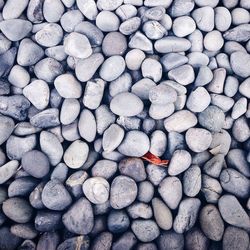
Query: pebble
[(145, 230), (69, 111), (170, 240), (173, 60), (71, 19), (6, 128), (151, 69), (48, 69), (162, 94), (18, 76), (15, 29), (50, 35), (214, 166), (96, 189), (195, 239), (240, 63), (86, 68), (25, 231), (134, 168), (183, 26), (93, 33), (170, 189), (204, 76), (241, 130), (118, 221), (76, 154), (29, 53), (198, 100), (181, 8), (204, 18), (223, 18), (104, 168), (131, 25), (154, 30), (211, 222), (7, 170), (180, 161), (38, 93), (172, 44), (11, 11), (135, 144), (134, 59), (140, 41), (145, 191), (108, 72), (52, 189), (88, 8), (77, 45), (235, 183), (212, 118), (158, 143), (123, 192), (198, 139), (114, 43), (239, 108), (127, 239), (126, 104), (180, 121), (39, 160), (213, 41), (17, 209), (187, 214), (232, 212), (93, 93), (79, 219), (107, 21), (15, 106), (51, 146), (162, 214), (140, 210), (53, 11), (244, 88), (192, 181), (235, 238), (103, 241), (183, 74)]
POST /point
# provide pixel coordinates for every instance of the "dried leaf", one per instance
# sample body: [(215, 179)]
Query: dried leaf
[(154, 159)]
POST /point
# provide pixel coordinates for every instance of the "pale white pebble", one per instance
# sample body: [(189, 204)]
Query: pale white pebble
[(213, 41), (69, 111), (77, 45), (38, 93), (239, 108), (87, 125), (67, 86), (240, 16), (223, 18), (204, 18), (152, 69), (183, 26), (107, 21), (19, 76), (76, 154), (53, 10)]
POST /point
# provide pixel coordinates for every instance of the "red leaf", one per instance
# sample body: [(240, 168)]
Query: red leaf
[(154, 159)]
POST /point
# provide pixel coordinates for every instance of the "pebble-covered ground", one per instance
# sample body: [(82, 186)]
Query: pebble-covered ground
[(88, 88)]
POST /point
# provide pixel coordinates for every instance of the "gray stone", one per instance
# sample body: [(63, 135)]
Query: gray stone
[(103, 241), (140, 41), (211, 222), (181, 8), (180, 161), (192, 181), (223, 18), (204, 18), (170, 189), (235, 238), (127, 240), (76, 154), (241, 130), (180, 121), (53, 11), (169, 240), (86, 68), (123, 192), (15, 29), (118, 221), (244, 88), (79, 219), (7, 170), (6, 128), (232, 212), (135, 143), (145, 191), (55, 196), (195, 239), (214, 166), (235, 183), (187, 215), (114, 43), (198, 139), (240, 63), (107, 21), (134, 59), (158, 143), (51, 146), (145, 230), (154, 30), (162, 214), (239, 108), (104, 168), (15, 106), (140, 210), (173, 60), (204, 76), (131, 25), (134, 168), (35, 163), (71, 19), (17, 209)]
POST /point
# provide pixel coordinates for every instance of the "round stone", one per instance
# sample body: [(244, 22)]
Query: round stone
[(36, 163), (76, 154), (114, 43), (135, 143), (213, 41), (123, 192), (96, 189), (198, 139), (126, 104)]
